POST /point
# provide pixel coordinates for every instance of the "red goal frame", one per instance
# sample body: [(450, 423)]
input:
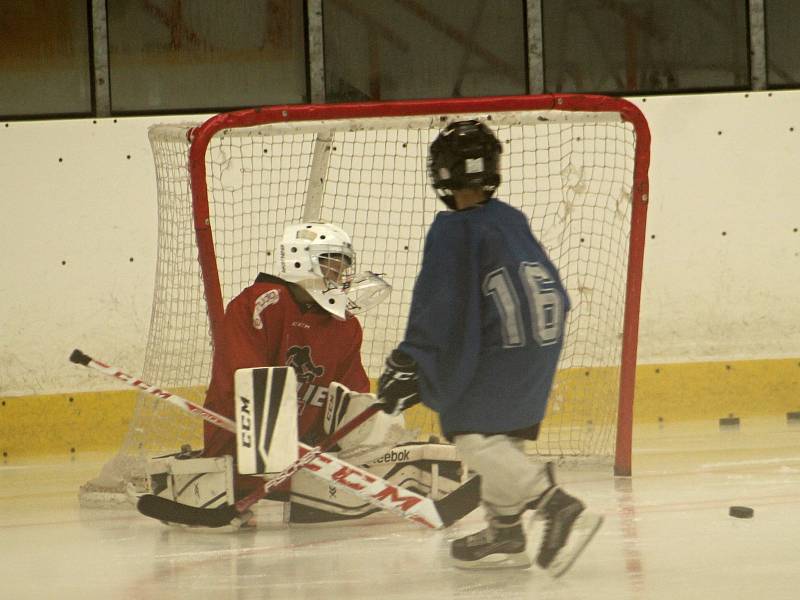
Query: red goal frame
[(201, 136)]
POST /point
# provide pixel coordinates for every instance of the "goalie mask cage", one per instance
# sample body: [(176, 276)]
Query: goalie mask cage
[(575, 164)]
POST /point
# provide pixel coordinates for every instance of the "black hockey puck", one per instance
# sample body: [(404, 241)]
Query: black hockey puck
[(741, 512)]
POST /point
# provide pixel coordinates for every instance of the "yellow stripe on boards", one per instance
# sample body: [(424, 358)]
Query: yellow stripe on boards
[(713, 390), (64, 423), (669, 392), (77, 423), (74, 423)]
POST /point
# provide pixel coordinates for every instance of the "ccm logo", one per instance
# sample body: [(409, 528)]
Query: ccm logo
[(246, 422)]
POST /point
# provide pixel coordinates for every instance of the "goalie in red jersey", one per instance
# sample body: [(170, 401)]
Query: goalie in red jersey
[(299, 319)]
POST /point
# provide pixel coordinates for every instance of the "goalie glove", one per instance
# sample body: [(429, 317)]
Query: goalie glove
[(398, 385)]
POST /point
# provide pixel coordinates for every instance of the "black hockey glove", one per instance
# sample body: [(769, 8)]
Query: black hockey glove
[(398, 386)]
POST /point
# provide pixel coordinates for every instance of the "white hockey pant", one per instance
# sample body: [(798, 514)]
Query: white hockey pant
[(509, 480)]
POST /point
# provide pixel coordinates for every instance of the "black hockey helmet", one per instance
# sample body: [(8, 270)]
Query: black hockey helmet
[(465, 154)]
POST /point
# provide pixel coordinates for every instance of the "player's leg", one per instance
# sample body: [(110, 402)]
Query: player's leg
[(509, 483)]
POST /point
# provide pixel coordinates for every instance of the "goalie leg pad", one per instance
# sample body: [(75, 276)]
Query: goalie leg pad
[(197, 482), (432, 470)]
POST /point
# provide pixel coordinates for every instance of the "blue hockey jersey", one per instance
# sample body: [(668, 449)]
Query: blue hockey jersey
[(486, 322)]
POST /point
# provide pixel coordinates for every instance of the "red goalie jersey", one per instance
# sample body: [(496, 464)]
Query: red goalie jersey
[(265, 326)]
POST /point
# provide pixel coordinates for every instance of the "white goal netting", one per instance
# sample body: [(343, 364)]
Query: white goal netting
[(573, 172)]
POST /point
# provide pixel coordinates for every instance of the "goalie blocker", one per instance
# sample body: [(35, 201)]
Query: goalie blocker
[(266, 419)]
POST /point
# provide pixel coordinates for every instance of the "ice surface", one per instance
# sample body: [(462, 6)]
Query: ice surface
[(667, 535)]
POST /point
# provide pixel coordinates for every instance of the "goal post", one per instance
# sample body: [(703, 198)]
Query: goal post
[(575, 164)]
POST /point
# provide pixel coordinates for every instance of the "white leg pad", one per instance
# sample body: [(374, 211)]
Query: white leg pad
[(433, 470), (198, 482)]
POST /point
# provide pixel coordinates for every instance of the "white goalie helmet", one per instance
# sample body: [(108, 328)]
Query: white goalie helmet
[(320, 258)]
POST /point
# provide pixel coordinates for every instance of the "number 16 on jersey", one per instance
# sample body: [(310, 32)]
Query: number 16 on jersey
[(544, 298)]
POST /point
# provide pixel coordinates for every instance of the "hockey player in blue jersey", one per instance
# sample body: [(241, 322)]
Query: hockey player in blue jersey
[(484, 335)]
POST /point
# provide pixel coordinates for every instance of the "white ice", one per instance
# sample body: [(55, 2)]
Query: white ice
[(667, 535)]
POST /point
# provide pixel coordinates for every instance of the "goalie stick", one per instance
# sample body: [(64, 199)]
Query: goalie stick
[(408, 504)]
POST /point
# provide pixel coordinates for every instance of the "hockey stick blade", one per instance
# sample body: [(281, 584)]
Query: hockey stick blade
[(168, 511), (460, 502)]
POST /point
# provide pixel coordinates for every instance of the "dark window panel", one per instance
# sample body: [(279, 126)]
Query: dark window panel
[(400, 49), (623, 46), (783, 32), (44, 58), (179, 55)]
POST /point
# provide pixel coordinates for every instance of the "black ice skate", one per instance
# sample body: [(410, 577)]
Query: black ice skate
[(499, 546), (568, 528)]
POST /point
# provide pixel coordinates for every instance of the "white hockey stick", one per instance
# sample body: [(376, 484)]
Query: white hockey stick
[(408, 504)]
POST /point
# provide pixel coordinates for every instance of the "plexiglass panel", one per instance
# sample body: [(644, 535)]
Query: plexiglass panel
[(645, 45), (783, 33), (423, 49), (205, 54), (44, 58)]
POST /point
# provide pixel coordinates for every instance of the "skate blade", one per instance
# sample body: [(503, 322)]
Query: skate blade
[(584, 529), (518, 560)]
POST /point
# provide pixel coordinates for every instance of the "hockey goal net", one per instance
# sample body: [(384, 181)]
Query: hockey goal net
[(576, 165)]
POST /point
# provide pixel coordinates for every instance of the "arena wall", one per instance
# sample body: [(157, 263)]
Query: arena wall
[(720, 324)]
